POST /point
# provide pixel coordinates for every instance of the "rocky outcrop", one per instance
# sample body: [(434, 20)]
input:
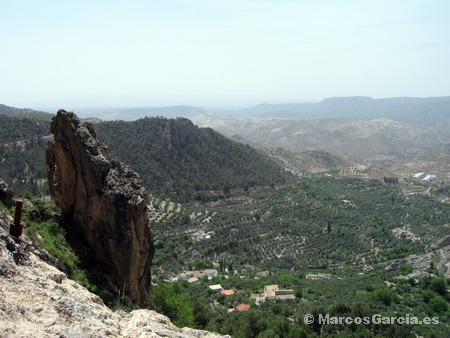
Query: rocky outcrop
[(443, 242), (6, 194), (38, 300), (105, 200)]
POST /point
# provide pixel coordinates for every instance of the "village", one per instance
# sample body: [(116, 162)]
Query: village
[(270, 292)]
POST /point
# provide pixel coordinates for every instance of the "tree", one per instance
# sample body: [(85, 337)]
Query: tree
[(439, 286), (173, 302), (384, 295), (438, 305)]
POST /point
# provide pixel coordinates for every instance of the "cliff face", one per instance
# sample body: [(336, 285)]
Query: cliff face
[(105, 199)]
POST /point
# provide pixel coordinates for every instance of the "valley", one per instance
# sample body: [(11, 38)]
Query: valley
[(392, 145), (333, 209)]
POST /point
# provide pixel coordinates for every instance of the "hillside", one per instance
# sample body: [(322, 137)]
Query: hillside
[(322, 221), (432, 111), (312, 161), (176, 158), (22, 153), (24, 112), (346, 246), (353, 139)]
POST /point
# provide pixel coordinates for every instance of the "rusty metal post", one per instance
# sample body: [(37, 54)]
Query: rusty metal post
[(16, 229)]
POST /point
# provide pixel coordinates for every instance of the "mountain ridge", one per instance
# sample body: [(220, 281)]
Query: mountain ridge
[(429, 111), (187, 159)]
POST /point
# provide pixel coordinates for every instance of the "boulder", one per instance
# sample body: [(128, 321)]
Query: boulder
[(105, 200), (6, 194)]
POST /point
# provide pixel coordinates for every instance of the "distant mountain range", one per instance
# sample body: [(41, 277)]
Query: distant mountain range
[(393, 133), (382, 142), (357, 139), (432, 111), (134, 113)]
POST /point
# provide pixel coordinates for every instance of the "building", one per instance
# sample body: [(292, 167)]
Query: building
[(216, 287), (274, 293), (320, 276), (227, 292), (243, 307), (269, 291), (240, 308), (284, 294), (208, 273)]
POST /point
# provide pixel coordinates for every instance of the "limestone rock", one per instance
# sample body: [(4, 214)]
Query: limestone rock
[(38, 300), (105, 199), (6, 194)]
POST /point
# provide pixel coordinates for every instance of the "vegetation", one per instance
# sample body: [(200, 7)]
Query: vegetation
[(24, 112), (44, 226), (321, 222), (22, 154), (219, 204), (177, 159), (375, 295), (174, 157)]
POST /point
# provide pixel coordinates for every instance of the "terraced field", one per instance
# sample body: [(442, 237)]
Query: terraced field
[(319, 222)]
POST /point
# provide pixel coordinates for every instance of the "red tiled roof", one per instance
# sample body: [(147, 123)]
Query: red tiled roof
[(227, 292), (243, 307)]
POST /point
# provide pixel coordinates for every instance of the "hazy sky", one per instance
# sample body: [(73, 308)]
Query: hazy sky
[(106, 53)]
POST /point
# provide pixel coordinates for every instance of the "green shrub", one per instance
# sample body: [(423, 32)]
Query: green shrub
[(52, 238)]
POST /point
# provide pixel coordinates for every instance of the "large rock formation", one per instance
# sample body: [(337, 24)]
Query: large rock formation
[(105, 199)]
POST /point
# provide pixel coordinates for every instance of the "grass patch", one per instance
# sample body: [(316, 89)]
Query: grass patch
[(52, 237)]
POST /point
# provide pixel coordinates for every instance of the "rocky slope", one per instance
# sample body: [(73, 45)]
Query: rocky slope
[(105, 200), (38, 300)]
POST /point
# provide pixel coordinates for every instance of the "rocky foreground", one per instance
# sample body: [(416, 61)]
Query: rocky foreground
[(38, 300)]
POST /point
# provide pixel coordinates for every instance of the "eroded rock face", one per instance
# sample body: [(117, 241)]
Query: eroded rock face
[(6, 194), (105, 199)]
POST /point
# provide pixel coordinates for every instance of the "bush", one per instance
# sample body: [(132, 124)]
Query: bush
[(384, 295), (437, 305)]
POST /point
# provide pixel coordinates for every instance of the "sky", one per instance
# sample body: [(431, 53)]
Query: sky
[(219, 53)]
